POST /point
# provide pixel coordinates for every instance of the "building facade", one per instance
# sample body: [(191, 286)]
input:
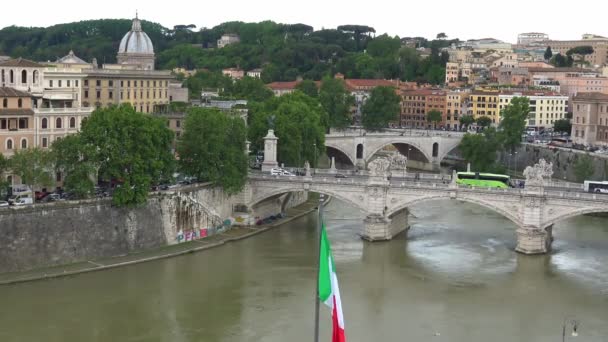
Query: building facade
[(16, 121), (531, 38), (590, 119), (599, 56), (227, 39), (545, 107), (23, 75), (484, 103)]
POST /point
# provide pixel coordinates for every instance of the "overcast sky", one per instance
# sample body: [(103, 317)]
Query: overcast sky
[(462, 19)]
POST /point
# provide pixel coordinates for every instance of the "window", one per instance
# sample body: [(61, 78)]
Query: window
[(86, 83), (2, 79), (9, 144), (45, 142), (50, 83), (110, 83), (76, 83), (155, 83), (35, 77), (147, 94), (86, 94), (582, 133), (23, 123), (72, 122), (98, 83), (98, 94), (59, 83), (20, 103), (58, 176), (23, 143), (121, 95), (122, 83), (110, 95), (134, 94), (177, 124), (58, 123), (24, 77), (128, 83), (69, 84), (45, 123), (11, 77), (141, 83), (141, 94), (4, 103)]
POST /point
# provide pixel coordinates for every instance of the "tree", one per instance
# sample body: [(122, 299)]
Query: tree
[(358, 31), (441, 35), (131, 148), (336, 101), (213, 148), (34, 166), (483, 121), (4, 168), (562, 125), (513, 123), (299, 123), (548, 53), (466, 120), (308, 87), (382, 107), (249, 88), (434, 116), (560, 61), (480, 149), (74, 159), (583, 168)]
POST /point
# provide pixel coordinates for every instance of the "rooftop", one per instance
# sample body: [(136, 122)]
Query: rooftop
[(590, 96), (11, 92), (558, 70), (20, 62)]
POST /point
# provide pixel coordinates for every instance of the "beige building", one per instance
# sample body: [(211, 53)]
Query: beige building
[(455, 108), (22, 74), (16, 121), (599, 56), (590, 119), (227, 39), (545, 107), (234, 73)]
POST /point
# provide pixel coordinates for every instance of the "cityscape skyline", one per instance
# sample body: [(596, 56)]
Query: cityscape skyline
[(395, 22)]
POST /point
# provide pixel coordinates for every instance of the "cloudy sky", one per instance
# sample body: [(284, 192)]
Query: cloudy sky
[(463, 19)]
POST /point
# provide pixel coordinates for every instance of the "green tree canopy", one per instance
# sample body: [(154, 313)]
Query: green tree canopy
[(513, 123), (480, 150), (382, 107), (34, 166), (212, 148), (433, 116), (548, 53), (441, 35), (562, 125), (466, 120), (4, 167), (299, 123), (249, 88), (560, 61), (74, 159), (483, 121), (130, 147), (308, 87), (336, 101), (583, 168)]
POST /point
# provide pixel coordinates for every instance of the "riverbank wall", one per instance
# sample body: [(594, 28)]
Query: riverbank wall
[(563, 161), (74, 231)]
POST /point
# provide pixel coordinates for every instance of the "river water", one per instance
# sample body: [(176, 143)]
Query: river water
[(455, 278)]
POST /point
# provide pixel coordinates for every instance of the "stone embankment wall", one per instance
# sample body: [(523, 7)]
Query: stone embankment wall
[(68, 232), (563, 161)]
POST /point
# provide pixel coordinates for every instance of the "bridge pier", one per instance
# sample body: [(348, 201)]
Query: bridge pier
[(534, 240), (379, 228)]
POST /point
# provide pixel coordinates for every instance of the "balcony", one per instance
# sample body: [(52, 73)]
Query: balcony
[(77, 110)]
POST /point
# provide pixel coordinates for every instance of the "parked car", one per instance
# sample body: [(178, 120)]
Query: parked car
[(276, 172), (23, 201), (4, 204), (15, 198), (39, 195), (601, 191), (287, 173), (341, 175)]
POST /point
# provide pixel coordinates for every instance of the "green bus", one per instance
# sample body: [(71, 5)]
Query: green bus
[(483, 180)]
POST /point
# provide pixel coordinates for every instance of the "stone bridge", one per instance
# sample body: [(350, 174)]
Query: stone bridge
[(534, 209), (424, 146)]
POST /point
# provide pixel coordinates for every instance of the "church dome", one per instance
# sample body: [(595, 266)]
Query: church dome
[(136, 41)]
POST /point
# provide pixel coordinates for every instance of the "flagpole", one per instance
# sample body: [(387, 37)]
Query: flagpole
[(317, 300)]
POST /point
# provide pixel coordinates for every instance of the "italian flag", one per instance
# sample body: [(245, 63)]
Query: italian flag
[(329, 293)]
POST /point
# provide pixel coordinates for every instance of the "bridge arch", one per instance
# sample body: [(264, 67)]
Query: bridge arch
[(513, 217), (318, 189), (341, 156), (371, 151), (570, 214), (339, 148)]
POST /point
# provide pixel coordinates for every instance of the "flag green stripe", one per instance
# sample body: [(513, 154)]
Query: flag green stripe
[(324, 261)]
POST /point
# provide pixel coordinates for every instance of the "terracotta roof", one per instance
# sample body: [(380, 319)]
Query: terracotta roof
[(424, 92), (558, 70), (11, 92), (16, 111), (20, 62), (591, 96), (531, 93), (282, 85)]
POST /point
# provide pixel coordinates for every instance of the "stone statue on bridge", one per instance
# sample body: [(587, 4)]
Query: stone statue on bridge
[(398, 161), (379, 167), (535, 175)]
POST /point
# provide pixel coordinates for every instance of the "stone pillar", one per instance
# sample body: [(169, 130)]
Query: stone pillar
[(270, 151), (534, 241), (332, 167), (379, 228), (468, 167)]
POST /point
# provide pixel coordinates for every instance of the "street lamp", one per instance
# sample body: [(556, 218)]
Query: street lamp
[(315, 159), (515, 153), (574, 324)]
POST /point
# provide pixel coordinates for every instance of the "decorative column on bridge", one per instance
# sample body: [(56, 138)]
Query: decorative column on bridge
[(532, 238), (377, 226), (270, 151)]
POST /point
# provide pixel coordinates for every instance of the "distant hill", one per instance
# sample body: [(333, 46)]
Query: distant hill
[(285, 52)]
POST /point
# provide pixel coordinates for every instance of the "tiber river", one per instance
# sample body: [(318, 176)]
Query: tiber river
[(455, 278)]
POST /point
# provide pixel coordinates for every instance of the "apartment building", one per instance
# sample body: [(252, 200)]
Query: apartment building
[(590, 119), (16, 121), (545, 107), (484, 103)]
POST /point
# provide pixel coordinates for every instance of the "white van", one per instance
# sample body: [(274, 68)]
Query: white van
[(24, 198), (23, 201)]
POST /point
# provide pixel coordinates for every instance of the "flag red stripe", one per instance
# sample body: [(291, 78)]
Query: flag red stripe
[(338, 333)]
